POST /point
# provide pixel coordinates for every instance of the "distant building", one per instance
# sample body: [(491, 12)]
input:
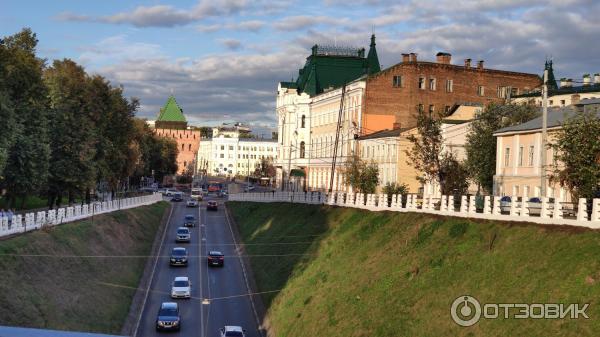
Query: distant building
[(171, 123), (232, 156), (518, 162), (236, 130), (398, 93)]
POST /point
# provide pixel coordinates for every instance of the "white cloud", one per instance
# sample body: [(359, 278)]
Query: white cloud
[(231, 44), (298, 22), (116, 49)]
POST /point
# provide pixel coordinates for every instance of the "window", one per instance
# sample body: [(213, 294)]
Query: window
[(422, 83), (550, 102), (222, 155), (520, 156), (506, 157), (185, 164), (421, 107), (502, 91), (446, 109), (189, 147), (182, 147), (302, 149), (480, 90), (397, 81), (531, 153), (303, 122), (449, 84), (432, 84), (222, 147), (514, 91), (562, 102), (431, 109), (231, 147)]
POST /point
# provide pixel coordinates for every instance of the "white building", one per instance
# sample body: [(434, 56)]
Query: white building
[(231, 156)]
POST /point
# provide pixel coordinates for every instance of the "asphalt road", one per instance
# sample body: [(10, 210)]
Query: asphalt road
[(219, 295)]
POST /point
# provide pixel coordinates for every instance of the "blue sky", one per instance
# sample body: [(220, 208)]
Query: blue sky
[(222, 59)]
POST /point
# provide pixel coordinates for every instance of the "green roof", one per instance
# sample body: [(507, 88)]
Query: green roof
[(331, 67), (171, 112)]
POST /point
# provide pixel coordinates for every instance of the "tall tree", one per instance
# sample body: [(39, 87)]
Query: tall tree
[(577, 154), (362, 176), (454, 174), (481, 143), (72, 139), (425, 155), (27, 163)]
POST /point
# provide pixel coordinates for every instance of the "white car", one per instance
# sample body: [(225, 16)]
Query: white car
[(232, 331), (181, 287), (192, 203)]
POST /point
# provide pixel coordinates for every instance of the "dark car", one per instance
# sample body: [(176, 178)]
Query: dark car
[(179, 257), (177, 197), (216, 258), (168, 317), (189, 221), (212, 205)]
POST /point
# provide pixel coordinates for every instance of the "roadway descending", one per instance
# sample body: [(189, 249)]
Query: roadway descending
[(225, 288)]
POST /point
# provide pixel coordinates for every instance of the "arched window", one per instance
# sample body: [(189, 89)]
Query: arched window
[(182, 147), (190, 147), (303, 121), (302, 149)]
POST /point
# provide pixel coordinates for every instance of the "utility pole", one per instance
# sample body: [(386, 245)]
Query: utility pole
[(544, 133), (289, 177), (337, 137)]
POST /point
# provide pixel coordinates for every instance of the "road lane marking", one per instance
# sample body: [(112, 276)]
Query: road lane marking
[(200, 271), (162, 239), (258, 325)]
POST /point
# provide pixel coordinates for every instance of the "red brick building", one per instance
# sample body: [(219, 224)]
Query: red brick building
[(396, 94), (171, 123)]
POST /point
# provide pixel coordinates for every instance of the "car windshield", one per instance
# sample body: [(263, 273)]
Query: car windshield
[(182, 231), (234, 334), (180, 284), (189, 217), (179, 252), (167, 312)]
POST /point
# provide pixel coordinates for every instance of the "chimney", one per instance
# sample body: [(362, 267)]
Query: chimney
[(575, 98), (587, 80), (413, 57), (467, 63), (405, 58), (480, 65), (596, 78), (397, 125), (443, 58)]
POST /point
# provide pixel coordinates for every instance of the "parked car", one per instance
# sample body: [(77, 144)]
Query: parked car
[(535, 205), (183, 235), (191, 203), (232, 331), (177, 196), (179, 257), (169, 192), (212, 205), (505, 204), (216, 258), (181, 287), (168, 317), (189, 221)]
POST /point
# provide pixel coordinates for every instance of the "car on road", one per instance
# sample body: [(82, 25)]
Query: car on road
[(177, 196), (183, 235), (168, 317), (232, 331), (179, 257), (168, 191), (212, 205), (181, 287), (189, 221), (216, 258), (505, 204), (191, 203), (249, 188)]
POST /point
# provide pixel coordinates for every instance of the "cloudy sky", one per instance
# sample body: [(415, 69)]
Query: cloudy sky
[(223, 58)]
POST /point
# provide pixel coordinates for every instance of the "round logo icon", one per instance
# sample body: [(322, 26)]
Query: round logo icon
[(465, 310)]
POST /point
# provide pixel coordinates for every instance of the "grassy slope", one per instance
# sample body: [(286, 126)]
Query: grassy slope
[(64, 292), (396, 274)]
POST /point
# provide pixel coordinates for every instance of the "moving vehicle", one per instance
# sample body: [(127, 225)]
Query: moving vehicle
[(177, 196), (535, 206), (505, 203), (212, 205), (232, 331), (181, 287), (197, 193), (214, 187), (179, 257), (216, 258), (168, 317), (189, 221), (169, 191), (191, 203), (248, 188), (183, 235)]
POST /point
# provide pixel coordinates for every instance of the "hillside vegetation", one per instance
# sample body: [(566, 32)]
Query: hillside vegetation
[(51, 279), (349, 272)]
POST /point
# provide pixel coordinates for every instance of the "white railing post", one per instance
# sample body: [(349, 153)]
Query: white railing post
[(497, 210), (524, 207), (486, 205), (472, 208), (444, 203), (544, 210), (514, 210), (450, 207), (582, 210), (557, 212), (464, 204), (595, 210)]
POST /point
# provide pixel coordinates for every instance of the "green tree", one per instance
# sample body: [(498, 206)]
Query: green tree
[(481, 143), (362, 176), (206, 132), (26, 166), (425, 155), (454, 174), (393, 188), (265, 168), (577, 154), (72, 139)]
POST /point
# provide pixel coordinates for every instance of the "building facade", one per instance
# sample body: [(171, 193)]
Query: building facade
[(232, 156), (398, 93), (171, 123)]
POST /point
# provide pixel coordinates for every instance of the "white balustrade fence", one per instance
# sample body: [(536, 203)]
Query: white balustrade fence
[(32, 221), (492, 208)]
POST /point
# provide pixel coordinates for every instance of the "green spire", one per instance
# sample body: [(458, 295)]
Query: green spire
[(372, 59), (551, 80), (171, 112)]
